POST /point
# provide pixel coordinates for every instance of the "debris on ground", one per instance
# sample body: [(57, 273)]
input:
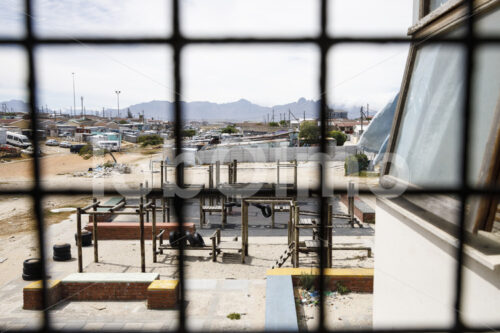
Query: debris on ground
[(104, 170), (311, 297)]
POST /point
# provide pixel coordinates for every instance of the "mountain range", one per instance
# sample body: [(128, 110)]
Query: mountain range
[(240, 110)]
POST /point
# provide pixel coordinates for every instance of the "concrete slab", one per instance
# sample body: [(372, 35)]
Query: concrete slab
[(110, 277)]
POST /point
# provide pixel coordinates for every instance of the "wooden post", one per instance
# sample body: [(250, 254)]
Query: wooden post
[(211, 183), (277, 172), (214, 249), (79, 238), (94, 232), (218, 236), (235, 171), (163, 207), (296, 237), (230, 173), (244, 219), (329, 232), (217, 173), (272, 215), (161, 174), (350, 202), (290, 223), (153, 229), (141, 219), (145, 198), (295, 175), (202, 216), (166, 171), (141, 191), (223, 212)]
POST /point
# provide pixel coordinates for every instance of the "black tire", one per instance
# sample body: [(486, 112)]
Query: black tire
[(266, 211), (34, 277), (86, 238), (190, 238), (175, 238), (62, 247), (32, 266), (62, 257), (62, 251), (199, 242)]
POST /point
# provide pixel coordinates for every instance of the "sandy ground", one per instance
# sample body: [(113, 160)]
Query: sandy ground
[(350, 311)]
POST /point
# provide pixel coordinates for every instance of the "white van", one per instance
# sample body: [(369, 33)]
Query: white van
[(18, 140)]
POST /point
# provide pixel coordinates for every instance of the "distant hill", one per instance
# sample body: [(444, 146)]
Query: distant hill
[(14, 105), (238, 111)]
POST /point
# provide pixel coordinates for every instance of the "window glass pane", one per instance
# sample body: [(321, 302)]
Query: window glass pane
[(428, 136), (434, 4)]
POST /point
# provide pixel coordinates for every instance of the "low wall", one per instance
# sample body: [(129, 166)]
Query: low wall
[(358, 280), (160, 294), (131, 230), (32, 294), (242, 154), (362, 211)]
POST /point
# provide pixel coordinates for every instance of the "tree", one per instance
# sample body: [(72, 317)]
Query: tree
[(283, 123), (129, 114), (309, 132), (150, 140), (338, 136), (123, 121), (356, 163), (188, 133), (229, 129), (273, 124)]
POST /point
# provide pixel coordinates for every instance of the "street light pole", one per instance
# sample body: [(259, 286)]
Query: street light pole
[(74, 96), (118, 92)]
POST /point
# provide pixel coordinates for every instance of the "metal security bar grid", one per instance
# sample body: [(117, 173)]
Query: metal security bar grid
[(324, 42)]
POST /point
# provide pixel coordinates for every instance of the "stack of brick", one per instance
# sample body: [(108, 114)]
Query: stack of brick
[(32, 294), (163, 294)]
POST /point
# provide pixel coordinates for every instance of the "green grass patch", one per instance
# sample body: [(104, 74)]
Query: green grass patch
[(234, 316)]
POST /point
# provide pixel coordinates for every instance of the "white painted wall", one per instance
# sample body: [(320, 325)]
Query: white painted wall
[(415, 276)]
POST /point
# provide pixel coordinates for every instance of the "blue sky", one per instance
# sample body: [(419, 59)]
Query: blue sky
[(268, 75)]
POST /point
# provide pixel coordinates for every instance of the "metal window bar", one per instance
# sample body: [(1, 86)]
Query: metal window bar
[(177, 41)]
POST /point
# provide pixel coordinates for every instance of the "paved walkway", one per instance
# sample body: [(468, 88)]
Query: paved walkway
[(208, 302)]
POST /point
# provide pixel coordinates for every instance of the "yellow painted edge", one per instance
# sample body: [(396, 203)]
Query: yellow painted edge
[(358, 272), (37, 285), (163, 285)]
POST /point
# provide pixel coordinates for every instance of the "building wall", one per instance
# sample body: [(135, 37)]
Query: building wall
[(415, 276)]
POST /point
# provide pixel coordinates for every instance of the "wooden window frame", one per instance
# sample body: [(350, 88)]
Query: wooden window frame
[(444, 19)]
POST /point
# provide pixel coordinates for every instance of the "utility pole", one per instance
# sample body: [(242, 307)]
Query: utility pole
[(74, 96), (304, 115), (118, 92), (81, 111), (103, 112), (361, 118)]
